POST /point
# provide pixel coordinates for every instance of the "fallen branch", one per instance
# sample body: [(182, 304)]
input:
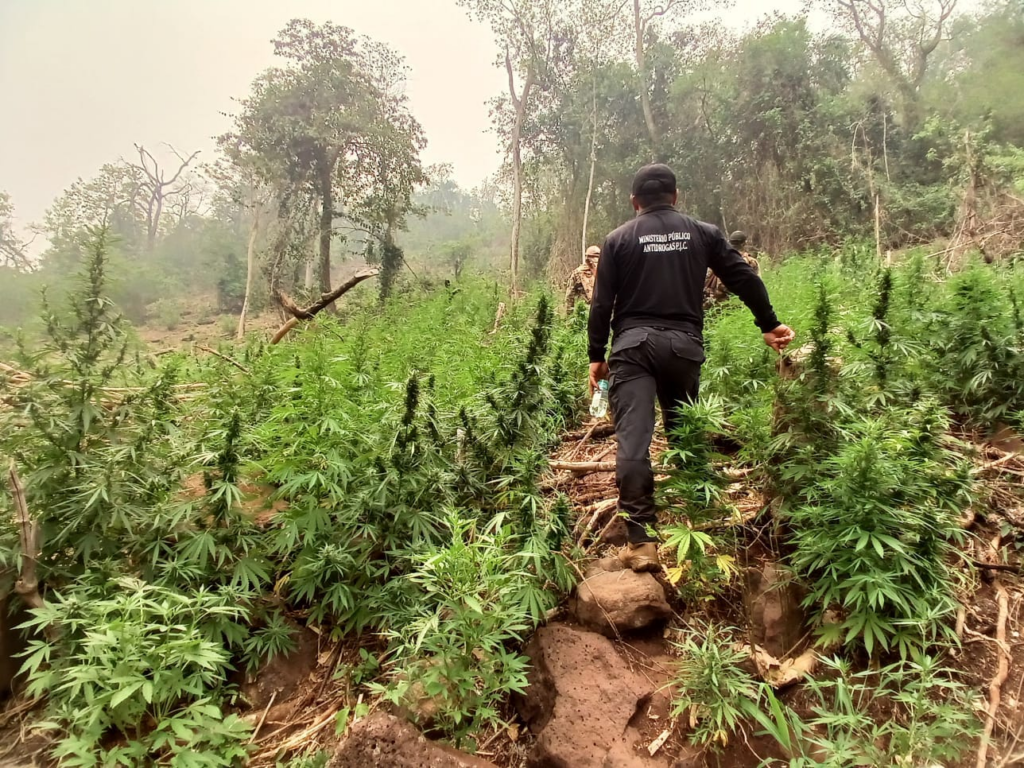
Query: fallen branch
[(1006, 459), (601, 535), (264, 718), (996, 567), (598, 510), (594, 497), (596, 431), (583, 441), (27, 585), (659, 742), (1003, 670), (313, 309), (302, 738), (223, 357), (736, 473), (284, 330), (583, 467), (961, 622), (498, 317)]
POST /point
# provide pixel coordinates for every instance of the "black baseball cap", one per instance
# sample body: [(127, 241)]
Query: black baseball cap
[(654, 179)]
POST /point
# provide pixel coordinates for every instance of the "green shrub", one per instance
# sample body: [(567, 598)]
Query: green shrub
[(712, 689), (907, 714), (978, 361), (873, 531), (475, 600), (140, 654)]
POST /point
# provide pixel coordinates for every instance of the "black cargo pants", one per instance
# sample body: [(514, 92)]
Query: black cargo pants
[(647, 363)]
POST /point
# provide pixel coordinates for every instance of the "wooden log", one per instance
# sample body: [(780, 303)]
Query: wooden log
[(223, 357)]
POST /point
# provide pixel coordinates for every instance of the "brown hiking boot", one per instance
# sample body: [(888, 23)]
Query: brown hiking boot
[(641, 557)]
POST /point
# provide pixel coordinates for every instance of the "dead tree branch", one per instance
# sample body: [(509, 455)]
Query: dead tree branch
[(583, 467), (325, 301), (223, 357)]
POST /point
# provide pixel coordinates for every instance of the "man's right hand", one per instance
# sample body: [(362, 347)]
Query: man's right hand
[(779, 338), (598, 371)]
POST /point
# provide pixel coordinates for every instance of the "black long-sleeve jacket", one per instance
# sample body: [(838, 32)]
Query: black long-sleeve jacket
[(652, 273)]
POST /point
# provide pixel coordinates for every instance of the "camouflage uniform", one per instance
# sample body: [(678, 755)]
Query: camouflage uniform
[(714, 291), (582, 279), (581, 286)]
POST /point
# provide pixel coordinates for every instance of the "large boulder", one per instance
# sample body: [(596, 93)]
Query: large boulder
[(620, 602), (385, 740), (776, 618), (581, 698)]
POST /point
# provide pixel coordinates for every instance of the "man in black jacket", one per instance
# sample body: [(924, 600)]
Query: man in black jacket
[(649, 292)]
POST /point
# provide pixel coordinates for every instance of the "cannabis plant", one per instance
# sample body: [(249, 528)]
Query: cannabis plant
[(713, 691), (874, 532), (977, 357), (140, 661), (92, 442), (906, 714)]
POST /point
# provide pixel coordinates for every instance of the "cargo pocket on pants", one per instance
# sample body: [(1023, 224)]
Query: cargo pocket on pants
[(686, 347)]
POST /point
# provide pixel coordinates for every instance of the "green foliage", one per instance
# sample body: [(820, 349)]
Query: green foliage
[(857, 442), (873, 531), (693, 484), (136, 654), (95, 458), (978, 360), (909, 713), (713, 689), (476, 598)]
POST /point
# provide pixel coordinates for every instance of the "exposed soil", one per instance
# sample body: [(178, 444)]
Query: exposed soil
[(198, 321)]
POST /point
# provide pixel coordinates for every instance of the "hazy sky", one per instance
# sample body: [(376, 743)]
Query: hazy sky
[(82, 80)]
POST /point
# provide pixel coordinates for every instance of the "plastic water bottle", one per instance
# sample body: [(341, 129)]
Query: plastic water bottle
[(599, 405)]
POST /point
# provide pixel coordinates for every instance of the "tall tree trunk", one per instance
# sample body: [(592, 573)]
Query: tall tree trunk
[(310, 276), (326, 224), (641, 68), (250, 269), (153, 225), (590, 183), (521, 104)]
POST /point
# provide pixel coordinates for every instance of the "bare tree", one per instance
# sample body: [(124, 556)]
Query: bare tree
[(528, 30), (257, 200), (643, 19), (157, 190), (901, 36), (13, 250)]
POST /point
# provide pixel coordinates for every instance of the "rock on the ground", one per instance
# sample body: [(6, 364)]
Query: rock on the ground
[(581, 698), (776, 618), (387, 741), (620, 602), (690, 757)]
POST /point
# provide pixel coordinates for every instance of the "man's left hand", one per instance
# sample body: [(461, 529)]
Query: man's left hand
[(598, 371)]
